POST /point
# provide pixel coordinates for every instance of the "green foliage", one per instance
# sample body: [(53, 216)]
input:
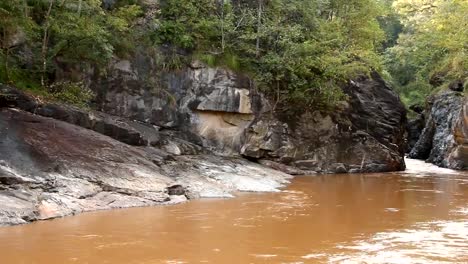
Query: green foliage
[(15, 29), (431, 52), (71, 93), (38, 38), (88, 34), (390, 24), (228, 60), (187, 24), (79, 38), (299, 52)]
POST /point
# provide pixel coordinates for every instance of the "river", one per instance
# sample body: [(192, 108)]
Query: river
[(418, 216)]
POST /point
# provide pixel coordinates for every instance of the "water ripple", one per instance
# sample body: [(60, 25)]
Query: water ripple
[(431, 242)]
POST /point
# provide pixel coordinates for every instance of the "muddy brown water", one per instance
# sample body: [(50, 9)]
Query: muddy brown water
[(420, 216)]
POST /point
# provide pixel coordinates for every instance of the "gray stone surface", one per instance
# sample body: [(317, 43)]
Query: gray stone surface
[(414, 129), (211, 106), (222, 111), (444, 140), (50, 168), (365, 135)]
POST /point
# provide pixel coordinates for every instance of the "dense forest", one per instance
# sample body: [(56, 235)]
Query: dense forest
[(298, 51)]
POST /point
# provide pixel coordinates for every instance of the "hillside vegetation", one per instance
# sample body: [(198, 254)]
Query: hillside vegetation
[(432, 50), (299, 52)]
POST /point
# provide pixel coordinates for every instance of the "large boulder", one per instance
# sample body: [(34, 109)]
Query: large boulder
[(131, 132), (210, 105), (365, 135), (444, 138)]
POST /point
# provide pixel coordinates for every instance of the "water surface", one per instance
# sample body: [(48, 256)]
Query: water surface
[(420, 216)]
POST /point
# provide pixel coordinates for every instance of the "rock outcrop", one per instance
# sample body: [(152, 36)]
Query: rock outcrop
[(223, 112), (444, 140), (365, 135), (167, 137), (210, 106), (414, 129), (51, 168)]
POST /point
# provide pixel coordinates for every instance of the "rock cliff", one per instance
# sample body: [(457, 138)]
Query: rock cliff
[(365, 135), (222, 111), (444, 139), (210, 106)]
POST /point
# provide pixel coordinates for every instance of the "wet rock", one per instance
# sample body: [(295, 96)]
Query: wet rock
[(292, 170), (176, 190), (269, 138), (423, 147), (306, 164), (376, 109), (172, 144), (9, 178), (10, 97), (226, 100), (18, 207), (444, 139), (339, 168), (373, 167), (210, 176), (458, 156), (414, 129)]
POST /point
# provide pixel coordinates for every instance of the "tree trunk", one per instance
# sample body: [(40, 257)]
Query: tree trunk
[(259, 25), (7, 67), (45, 43), (79, 7), (26, 10), (222, 26)]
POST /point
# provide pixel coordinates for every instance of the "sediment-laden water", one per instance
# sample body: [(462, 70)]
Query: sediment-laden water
[(419, 216)]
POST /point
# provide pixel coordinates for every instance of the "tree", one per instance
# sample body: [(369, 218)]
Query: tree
[(299, 52), (15, 26), (432, 50), (57, 34)]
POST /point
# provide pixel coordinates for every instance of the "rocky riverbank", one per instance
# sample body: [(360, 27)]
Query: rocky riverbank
[(51, 168), (217, 135), (443, 140)]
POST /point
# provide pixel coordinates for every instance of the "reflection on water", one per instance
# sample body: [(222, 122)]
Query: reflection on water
[(420, 216)]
